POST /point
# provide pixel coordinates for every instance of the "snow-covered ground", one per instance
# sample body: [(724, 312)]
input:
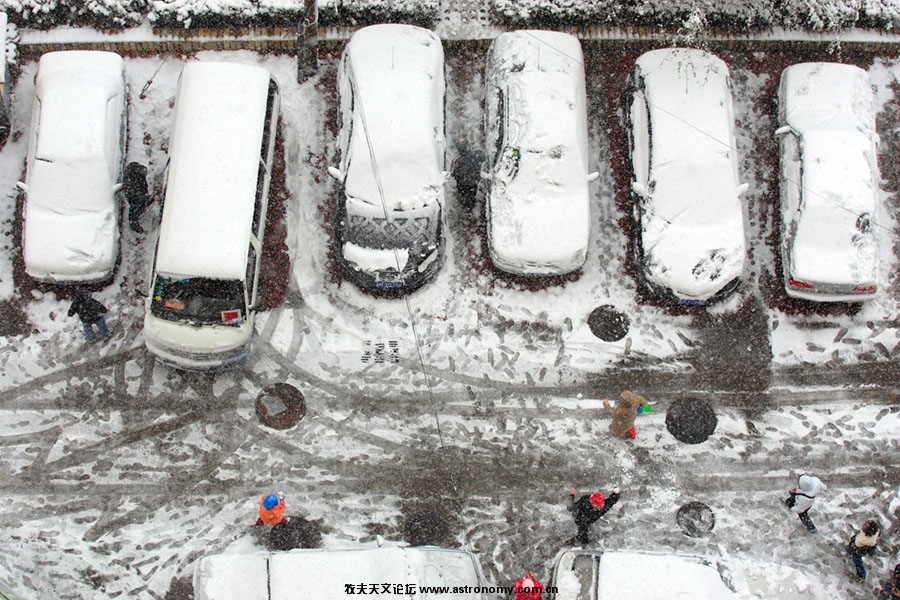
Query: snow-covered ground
[(477, 397)]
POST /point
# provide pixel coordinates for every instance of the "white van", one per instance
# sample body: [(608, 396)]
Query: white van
[(424, 573), (203, 288)]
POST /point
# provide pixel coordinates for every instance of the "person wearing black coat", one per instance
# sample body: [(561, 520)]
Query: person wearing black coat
[(588, 509), (134, 182), (466, 170), (90, 311)]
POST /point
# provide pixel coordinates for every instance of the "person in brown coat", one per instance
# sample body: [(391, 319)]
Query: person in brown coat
[(623, 414)]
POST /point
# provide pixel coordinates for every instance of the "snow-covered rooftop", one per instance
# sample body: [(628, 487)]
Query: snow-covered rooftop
[(214, 160)]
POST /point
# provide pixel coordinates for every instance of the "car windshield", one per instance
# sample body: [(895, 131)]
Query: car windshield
[(199, 300)]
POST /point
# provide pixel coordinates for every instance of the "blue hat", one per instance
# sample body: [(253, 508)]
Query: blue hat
[(270, 501)]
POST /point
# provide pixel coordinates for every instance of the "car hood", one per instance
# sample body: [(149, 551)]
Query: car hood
[(693, 236), (542, 214), (694, 262), (61, 245)]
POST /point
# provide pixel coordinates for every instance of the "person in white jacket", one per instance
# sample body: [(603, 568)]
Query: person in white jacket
[(803, 496)]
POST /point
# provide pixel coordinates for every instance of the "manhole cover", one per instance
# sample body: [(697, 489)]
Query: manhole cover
[(695, 519), (280, 406), (691, 420), (608, 324)]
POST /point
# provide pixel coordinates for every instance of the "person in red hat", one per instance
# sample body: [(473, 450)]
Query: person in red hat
[(529, 588), (588, 509), (271, 509)]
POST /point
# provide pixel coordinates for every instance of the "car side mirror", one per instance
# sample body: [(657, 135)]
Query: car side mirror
[(640, 189), (593, 176), (783, 130), (22, 186), (742, 188), (117, 187), (336, 173)]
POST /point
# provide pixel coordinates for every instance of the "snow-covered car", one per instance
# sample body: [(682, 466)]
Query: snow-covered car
[(690, 225), (580, 574), (535, 177), (74, 163), (391, 144), (829, 182), (423, 572)]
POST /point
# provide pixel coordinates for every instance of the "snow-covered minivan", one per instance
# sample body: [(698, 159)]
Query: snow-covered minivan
[(391, 142), (204, 284), (422, 572), (76, 150), (535, 175)]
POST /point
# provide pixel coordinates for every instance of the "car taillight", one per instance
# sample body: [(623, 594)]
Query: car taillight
[(801, 285), (863, 289)]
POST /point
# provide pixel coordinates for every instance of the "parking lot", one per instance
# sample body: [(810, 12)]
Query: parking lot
[(474, 402)]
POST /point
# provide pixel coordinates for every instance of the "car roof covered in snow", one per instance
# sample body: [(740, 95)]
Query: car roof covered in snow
[(74, 88), (834, 239), (693, 230), (622, 575), (827, 96), (397, 75), (214, 161), (541, 215), (323, 574)]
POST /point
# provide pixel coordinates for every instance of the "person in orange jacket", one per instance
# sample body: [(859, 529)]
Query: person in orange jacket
[(271, 509)]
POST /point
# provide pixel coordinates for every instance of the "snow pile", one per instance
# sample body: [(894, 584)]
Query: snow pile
[(219, 13), (730, 16)]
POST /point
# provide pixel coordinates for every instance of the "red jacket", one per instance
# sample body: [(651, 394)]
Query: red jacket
[(529, 588)]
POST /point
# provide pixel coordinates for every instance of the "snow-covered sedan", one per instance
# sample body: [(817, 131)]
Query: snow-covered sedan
[(829, 182), (580, 574), (536, 177), (690, 241), (391, 143), (75, 156)]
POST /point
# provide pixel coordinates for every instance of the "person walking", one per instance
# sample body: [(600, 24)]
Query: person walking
[(90, 311), (271, 509), (135, 185), (863, 543), (588, 509), (627, 407), (466, 170), (802, 497)]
